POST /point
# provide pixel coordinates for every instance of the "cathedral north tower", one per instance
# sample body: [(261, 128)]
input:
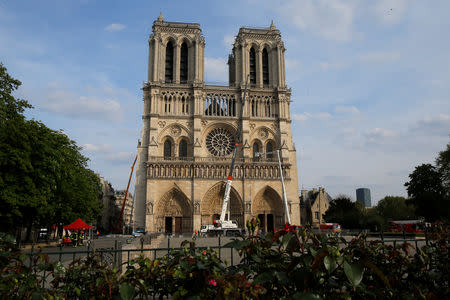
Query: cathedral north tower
[(189, 129)]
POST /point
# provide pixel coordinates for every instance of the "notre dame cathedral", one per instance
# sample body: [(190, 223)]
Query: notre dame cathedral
[(189, 131)]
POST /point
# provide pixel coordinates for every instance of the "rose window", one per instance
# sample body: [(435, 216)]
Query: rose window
[(220, 142)]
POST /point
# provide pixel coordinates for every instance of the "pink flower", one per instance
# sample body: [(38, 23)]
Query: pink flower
[(212, 282)]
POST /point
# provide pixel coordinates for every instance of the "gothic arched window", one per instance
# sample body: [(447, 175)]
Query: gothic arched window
[(184, 63), (252, 66), (182, 149), (255, 151), (167, 149), (169, 62), (265, 66), (269, 150)]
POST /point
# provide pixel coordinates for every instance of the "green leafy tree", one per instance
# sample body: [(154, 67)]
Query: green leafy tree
[(373, 221), (43, 177), (345, 212), (427, 193), (443, 166), (395, 208)]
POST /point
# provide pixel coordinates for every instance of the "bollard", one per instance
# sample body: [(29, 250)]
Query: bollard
[(168, 244), (31, 254), (115, 253), (60, 252), (220, 250)]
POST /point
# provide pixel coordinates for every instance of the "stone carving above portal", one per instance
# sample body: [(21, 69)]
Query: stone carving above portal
[(204, 122), (263, 133), (252, 126), (248, 207), (149, 209), (153, 142), (162, 124), (197, 207), (175, 131)]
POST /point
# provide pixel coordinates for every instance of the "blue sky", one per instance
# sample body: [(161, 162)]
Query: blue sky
[(370, 79)]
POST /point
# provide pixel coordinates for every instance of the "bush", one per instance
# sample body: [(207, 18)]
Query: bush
[(289, 264)]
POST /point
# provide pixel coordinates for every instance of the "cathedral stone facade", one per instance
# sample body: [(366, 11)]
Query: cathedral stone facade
[(189, 130)]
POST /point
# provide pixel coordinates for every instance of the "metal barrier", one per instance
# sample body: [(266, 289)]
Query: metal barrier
[(113, 256)]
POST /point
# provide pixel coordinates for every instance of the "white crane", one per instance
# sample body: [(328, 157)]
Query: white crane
[(226, 197)]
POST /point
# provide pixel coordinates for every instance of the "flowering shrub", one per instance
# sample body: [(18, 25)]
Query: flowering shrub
[(289, 264)]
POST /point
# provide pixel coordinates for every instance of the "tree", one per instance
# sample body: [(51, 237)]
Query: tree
[(427, 193), (345, 212), (43, 177), (443, 166), (395, 208)]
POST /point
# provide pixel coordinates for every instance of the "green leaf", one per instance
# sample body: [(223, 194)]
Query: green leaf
[(286, 239), (126, 291), (36, 296), (354, 273), (282, 277), (264, 277), (306, 296), (313, 252), (256, 258), (330, 263)]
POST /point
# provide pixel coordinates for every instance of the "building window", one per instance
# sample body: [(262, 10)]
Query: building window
[(167, 100), (169, 62), (265, 67), (167, 149), (255, 151), (252, 66), (182, 149), (220, 142), (269, 151), (316, 215), (184, 63)]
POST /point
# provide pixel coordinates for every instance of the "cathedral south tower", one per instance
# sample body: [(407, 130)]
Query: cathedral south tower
[(189, 130)]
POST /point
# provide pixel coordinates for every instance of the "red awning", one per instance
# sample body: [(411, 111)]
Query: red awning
[(78, 224)]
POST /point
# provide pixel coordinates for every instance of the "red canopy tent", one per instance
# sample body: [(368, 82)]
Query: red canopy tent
[(78, 224)]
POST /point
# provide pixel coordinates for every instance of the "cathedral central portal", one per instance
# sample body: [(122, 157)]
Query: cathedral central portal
[(189, 131)]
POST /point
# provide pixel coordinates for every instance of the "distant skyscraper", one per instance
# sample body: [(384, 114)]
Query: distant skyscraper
[(363, 195)]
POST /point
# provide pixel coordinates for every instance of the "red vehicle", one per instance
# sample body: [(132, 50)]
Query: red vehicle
[(330, 228), (408, 226)]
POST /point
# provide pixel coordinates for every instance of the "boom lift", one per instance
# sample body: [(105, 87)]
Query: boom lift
[(223, 224)]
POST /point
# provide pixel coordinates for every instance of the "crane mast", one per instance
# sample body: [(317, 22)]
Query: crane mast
[(238, 143)]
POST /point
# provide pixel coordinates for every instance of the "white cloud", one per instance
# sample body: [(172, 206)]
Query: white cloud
[(326, 65), (306, 116), (292, 64), (378, 57), (121, 157), (102, 148), (216, 69), (346, 110), (390, 12), (115, 27), (228, 41), (439, 125), (332, 20), (59, 100), (347, 132), (378, 135)]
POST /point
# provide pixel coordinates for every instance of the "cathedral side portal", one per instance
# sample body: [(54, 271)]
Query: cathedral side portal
[(189, 130)]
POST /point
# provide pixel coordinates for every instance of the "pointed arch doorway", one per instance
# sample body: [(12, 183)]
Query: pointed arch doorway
[(268, 207), (174, 213), (211, 205)]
